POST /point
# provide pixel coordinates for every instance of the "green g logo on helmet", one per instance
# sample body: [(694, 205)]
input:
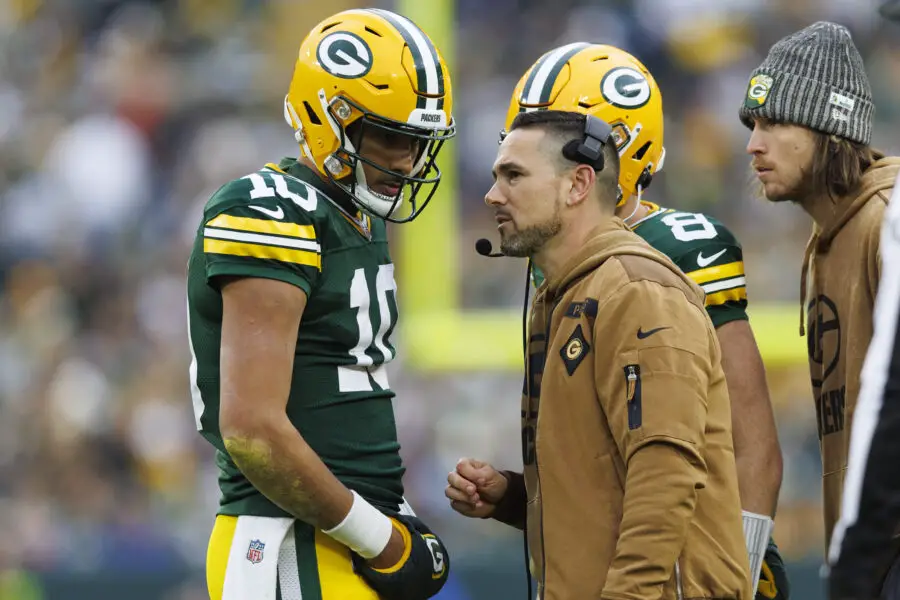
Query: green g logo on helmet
[(758, 91)]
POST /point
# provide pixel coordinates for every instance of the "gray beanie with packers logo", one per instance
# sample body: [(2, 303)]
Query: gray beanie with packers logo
[(815, 78)]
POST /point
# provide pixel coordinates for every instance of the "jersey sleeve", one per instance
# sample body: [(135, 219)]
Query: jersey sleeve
[(261, 239), (717, 266)]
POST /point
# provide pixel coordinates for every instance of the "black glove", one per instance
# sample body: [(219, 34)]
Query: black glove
[(420, 575), (773, 580)]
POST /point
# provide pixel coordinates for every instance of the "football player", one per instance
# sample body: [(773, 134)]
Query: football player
[(613, 85), (291, 305)]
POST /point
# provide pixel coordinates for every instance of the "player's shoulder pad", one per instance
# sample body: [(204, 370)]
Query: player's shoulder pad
[(268, 194), (715, 249), (267, 214), (723, 234)]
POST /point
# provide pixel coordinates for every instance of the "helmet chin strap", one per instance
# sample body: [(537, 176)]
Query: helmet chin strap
[(637, 205)]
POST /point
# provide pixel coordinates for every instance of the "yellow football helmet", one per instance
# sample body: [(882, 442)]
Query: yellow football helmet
[(378, 69), (608, 83)]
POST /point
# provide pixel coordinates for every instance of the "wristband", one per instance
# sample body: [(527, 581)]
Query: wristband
[(757, 529), (365, 529)]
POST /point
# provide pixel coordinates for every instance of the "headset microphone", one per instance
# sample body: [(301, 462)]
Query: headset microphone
[(484, 247)]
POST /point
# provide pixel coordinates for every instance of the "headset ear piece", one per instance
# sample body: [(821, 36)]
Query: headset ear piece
[(573, 151), (583, 153), (589, 150)]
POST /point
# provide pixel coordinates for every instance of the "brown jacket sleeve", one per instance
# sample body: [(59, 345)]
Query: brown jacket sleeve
[(511, 508), (652, 373)]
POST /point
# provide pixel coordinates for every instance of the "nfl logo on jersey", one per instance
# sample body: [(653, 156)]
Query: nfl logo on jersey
[(255, 551)]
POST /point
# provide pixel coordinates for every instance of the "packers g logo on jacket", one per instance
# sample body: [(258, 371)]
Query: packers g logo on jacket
[(610, 84), (371, 70)]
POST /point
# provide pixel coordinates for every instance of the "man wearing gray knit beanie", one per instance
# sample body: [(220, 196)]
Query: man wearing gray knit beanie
[(809, 107)]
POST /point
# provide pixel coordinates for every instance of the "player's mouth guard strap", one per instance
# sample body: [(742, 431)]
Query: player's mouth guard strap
[(365, 529), (757, 529)]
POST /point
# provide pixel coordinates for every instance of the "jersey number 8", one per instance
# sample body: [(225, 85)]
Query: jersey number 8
[(687, 227)]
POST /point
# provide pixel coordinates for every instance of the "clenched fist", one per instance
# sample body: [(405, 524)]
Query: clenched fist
[(475, 488)]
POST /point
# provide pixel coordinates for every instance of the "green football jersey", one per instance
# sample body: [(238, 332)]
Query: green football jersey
[(705, 250), (278, 223)]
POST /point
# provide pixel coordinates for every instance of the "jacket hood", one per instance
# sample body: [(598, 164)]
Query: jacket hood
[(877, 178), (612, 238)]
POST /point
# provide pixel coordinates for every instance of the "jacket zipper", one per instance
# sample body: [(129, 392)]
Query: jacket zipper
[(633, 395), (679, 586), (537, 469)]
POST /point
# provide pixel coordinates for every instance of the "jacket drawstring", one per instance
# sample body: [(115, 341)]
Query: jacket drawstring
[(804, 272)]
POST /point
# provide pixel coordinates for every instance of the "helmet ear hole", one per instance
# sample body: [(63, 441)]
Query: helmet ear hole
[(313, 117), (639, 155), (646, 175)]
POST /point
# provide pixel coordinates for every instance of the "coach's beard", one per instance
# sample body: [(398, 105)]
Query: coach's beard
[(529, 241)]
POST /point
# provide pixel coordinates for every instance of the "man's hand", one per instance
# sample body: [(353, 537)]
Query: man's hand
[(421, 571), (475, 488), (773, 580)]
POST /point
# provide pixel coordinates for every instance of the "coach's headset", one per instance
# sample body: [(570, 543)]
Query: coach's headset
[(589, 150)]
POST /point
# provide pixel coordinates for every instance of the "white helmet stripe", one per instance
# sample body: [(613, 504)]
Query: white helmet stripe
[(545, 71), (424, 56)]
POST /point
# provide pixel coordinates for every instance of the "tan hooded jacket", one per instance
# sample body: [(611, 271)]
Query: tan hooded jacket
[(839, 283), (629, 464)]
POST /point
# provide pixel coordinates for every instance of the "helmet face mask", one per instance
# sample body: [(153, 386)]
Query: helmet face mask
[(610, 84), (425, 174), (371, 71)]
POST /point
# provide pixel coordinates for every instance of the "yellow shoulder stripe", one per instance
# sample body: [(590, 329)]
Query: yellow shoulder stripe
[(288, 255), (732, 269), (732, 295), (275, 167), (307, 232)]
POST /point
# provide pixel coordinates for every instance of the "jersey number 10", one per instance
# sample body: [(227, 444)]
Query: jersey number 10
[(355, 378)]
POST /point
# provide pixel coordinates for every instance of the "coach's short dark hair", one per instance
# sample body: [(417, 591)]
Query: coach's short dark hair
[(566, 126)]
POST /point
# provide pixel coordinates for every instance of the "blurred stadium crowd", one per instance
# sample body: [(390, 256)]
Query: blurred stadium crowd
[(119, 118)]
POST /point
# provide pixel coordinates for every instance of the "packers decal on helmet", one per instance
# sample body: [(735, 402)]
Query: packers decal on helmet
[(344, 54), (625, 87)]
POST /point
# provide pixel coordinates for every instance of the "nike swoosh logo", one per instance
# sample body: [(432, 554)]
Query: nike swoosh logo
[(705, 261), (645, 334), (275, 214)]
